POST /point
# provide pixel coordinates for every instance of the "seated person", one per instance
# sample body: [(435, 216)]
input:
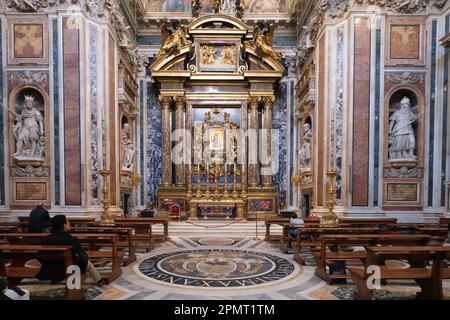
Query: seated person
[(148, 212), (53, 270), (14, 293), (39, 219), (295, 222)]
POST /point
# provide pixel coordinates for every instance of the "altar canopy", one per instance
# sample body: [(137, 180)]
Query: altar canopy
[(217, 80)]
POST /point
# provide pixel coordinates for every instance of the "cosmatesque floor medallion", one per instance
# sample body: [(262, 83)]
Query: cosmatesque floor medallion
[(216, 268)]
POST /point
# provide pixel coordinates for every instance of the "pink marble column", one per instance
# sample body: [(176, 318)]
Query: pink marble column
[(179, 125), (253, 176), (267, 125), (166, 150)]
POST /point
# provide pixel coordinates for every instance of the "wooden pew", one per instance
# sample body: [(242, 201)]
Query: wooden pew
[(429, 279), (164, 220), (334, 248), (72, 220), (276, 220), (94, 244), (444, 221), (17, 255), (311, 227), (385, 223), (125, 238), (313, 233)]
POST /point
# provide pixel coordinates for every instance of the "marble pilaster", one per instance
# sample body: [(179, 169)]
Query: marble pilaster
[(166, 159), (267, 127), (179, 126), (253, 176)]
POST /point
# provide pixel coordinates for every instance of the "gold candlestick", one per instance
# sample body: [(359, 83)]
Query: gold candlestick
[(226, 195), (330, 216), (199, 183), (107, 216), (234, 192), (189, 186), (207, 192)]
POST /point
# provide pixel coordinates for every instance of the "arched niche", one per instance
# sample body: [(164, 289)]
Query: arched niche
[(398, 122), (306, 145), (29, 123), (29, 171), (128, 150)]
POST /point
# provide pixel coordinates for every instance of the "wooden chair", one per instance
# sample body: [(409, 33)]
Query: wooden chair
[(175, 211)]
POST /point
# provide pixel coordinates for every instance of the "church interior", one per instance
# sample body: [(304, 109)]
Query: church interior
[(224, 149)]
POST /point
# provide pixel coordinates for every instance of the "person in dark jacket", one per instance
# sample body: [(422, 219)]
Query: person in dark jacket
[(39, 219), (55, 270)]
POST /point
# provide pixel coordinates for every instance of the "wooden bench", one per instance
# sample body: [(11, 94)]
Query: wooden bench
[(125, 239), (444, 221), (384, 223), (72, 220), (277, 220), (164, 221), (429, 279), (308, 237), (18, 255), (320, 228), (94, 244), (340, 248)]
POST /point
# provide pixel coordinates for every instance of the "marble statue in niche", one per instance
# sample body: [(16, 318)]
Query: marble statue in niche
[(29, 132), (402, 141), (128, 148), (305, 151)]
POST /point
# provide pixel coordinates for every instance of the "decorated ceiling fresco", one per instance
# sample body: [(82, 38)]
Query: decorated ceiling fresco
[(251, 6)]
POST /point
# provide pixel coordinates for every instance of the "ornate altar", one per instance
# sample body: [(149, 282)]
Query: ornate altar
[(216, 83)]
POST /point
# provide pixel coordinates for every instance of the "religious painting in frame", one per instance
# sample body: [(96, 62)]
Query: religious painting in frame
[(27, 41), (217, 139), (405, 42)]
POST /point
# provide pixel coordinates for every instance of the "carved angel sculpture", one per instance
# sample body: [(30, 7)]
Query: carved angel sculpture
[(172, 41), (263, 42)]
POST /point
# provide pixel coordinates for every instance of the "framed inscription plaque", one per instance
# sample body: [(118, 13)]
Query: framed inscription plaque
[(30, 191), (402, 192)]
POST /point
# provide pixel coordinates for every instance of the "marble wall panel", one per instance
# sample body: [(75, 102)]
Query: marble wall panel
[(72, 145), (153, 173), (94, 110), (361, 113), (112, 119), (279, 122)]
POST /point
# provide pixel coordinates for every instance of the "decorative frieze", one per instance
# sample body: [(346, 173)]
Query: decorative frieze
[(30, 172), (405, 77), (403, 172)]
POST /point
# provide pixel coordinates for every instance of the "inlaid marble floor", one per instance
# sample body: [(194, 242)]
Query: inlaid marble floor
[(297, 283), (222, 260)]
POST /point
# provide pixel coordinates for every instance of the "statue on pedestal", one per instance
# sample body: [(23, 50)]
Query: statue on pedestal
[(402, 140), (305, 151), (29, 132), (128, 148)]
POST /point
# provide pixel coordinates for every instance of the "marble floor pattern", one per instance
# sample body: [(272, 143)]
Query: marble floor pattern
[(300, 284)]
